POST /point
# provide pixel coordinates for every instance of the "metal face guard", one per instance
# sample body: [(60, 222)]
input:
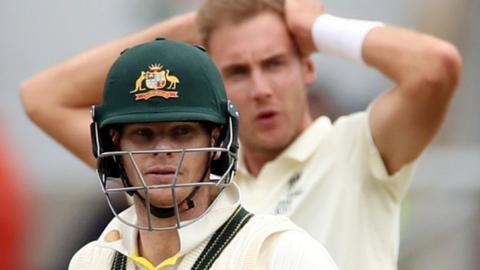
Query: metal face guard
[(117, 186)]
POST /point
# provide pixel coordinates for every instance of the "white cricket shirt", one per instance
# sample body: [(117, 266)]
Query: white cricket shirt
[(265, 242), (331, 181)]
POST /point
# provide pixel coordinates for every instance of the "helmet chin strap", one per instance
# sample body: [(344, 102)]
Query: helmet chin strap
[(168, 212)]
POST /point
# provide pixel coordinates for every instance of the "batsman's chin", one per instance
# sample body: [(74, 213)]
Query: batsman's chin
[(166, 197)]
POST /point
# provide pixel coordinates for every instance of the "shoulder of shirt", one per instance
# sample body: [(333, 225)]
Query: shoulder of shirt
[(350, 129), (296, 249), (346, 120), (280, 222), (92, 256), (288, 246)]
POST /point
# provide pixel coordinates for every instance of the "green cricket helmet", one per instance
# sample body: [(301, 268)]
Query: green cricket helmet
[(163, 81)]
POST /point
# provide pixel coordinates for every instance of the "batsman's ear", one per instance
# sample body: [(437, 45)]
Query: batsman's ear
[(229, 140), (215, 142), (102, 141)]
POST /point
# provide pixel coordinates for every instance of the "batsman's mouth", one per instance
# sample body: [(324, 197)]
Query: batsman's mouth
[(161, 175)]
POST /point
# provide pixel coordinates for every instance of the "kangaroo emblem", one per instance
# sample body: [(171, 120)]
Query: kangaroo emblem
[(138, 83)]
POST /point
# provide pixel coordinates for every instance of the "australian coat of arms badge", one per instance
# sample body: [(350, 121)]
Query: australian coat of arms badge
[(156, 82)]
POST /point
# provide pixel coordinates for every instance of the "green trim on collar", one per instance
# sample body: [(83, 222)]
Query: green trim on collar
[(218, 242), (221, 238)]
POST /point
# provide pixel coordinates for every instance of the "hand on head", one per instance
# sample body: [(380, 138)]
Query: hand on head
[(300, 16)]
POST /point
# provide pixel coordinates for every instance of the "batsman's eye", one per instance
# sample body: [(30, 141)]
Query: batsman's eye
[(144, 133), (182, 130)]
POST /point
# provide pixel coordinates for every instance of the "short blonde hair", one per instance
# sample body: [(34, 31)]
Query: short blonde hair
[(214, 13)]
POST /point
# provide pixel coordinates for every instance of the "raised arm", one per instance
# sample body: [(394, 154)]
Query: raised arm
[(425, 70), (59, 98)]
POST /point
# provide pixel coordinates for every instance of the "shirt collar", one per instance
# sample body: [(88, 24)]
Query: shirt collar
[(120, 236), (301, 148), (123, 238), (219, 211)]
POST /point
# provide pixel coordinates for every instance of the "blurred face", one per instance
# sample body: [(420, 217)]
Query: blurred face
[(160, 168), (265, 77)]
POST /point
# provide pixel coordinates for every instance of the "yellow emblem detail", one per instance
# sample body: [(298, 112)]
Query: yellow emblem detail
[(112, 236), (153, 83)]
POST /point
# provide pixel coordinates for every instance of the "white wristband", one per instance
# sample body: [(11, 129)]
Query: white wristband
[(341, 37)]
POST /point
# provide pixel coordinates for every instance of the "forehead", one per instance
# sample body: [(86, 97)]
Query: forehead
[(258, 37)]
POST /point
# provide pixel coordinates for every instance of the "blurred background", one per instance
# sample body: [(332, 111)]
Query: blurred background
[(63, 207)]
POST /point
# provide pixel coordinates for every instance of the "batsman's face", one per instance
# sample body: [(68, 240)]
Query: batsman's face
[(266, 78), (160, 168)]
